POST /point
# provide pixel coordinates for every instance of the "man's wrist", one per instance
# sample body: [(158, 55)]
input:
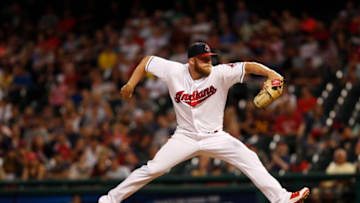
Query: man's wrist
[(130, 84), (274, 75)]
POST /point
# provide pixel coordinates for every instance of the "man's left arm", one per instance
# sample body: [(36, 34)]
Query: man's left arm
[(272, 88), (259, 69)]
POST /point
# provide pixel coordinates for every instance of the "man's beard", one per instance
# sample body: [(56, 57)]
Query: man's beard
[(202, 71)]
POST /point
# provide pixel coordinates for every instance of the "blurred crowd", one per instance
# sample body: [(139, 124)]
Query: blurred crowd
[(61, 115)]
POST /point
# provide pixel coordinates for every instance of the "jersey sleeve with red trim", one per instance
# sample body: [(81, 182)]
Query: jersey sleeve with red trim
[(233, 73), (159, 67)]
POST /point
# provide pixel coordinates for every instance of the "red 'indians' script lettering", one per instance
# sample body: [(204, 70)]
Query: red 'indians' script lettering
[(196, 97)]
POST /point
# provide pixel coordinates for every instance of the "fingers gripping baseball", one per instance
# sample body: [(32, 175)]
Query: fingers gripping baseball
[(127, 91)]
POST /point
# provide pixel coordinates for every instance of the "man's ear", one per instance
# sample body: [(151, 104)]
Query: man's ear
[(191, 61)]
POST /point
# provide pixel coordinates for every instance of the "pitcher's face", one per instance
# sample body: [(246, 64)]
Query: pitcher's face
[(202, 65)]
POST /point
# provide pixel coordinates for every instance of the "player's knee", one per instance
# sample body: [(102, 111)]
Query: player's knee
[(254, 156), (251, 154)]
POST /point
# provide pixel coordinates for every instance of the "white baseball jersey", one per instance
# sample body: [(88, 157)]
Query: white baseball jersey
[(199, 104)]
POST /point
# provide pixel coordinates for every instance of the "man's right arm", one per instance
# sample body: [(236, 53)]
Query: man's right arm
[(139, 72)]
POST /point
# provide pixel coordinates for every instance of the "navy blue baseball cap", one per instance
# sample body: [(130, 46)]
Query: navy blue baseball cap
[(199, 49)]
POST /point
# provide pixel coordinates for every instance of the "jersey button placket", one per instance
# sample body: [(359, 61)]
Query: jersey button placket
[(193, 110)]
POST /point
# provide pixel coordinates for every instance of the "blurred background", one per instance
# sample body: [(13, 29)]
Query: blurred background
[(67, 136)]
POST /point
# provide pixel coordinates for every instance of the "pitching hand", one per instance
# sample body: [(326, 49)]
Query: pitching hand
[(127, 91)]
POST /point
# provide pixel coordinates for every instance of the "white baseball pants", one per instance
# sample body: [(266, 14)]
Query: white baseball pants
[(221, 145)]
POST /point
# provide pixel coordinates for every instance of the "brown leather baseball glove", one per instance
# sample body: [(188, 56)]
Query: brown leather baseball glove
[(271, 90)]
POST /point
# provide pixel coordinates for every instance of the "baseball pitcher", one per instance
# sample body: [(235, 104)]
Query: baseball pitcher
[(198, 91)]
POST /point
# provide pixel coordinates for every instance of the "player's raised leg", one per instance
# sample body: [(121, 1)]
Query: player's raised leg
[(178, 148), (240, 156)]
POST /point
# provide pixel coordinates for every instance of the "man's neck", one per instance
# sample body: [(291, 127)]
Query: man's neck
[(194, 74)]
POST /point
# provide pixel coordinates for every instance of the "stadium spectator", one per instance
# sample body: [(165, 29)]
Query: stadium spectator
[(339, 165), (202, 168), (2, 173), (107, 58), (280, 159), (306, 102), (102, 166), (241, 15), (12, 167), (33, 168), (289, 121), (58, 167), (76, 199), (116, 171), (79, 169)]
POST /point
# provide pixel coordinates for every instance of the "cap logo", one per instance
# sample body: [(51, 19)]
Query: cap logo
[(207, 48)]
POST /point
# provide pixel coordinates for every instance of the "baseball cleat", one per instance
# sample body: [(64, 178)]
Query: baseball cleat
[(299, 196), (104, 199)]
